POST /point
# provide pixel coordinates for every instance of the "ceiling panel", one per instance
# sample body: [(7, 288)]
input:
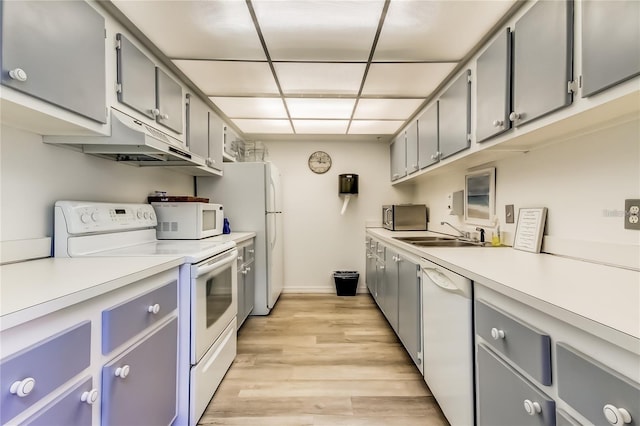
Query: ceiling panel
[(251, 107), (405, 79), (399, 109), (320, 108), (339, 30), (320, 78), (263, 126), (221, 78), (374, 127), (438, 30), (197, 29), (327, 127)]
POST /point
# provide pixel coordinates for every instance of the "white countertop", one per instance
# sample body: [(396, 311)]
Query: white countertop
[(606, 295), (238, 237)]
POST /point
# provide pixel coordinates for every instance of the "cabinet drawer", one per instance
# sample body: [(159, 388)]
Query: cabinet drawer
[(564, 419), (125, 320), (68, 409), (589, 386), (503, 395), (249, 253), (49, 363), (528, 348), (146, 395)]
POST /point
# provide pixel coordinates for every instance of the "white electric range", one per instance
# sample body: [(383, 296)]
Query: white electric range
[(207, 287)]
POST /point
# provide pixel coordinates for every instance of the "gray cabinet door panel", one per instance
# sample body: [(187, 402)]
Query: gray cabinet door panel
[(68, 409), (241, 297), (588, 386), (147, 396), (428, 136), (610, 43), (564, 419), (454, 117), (50, 363), (169, 101), (502, 393), (60, 45), (390, 300), (412, 148), (528, 348), (398, 154), (136, 77), (409, 299), (198, 126), (249, 288), (216, 140), (542, 59), (493, 88)]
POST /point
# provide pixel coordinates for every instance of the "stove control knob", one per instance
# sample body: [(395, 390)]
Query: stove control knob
[(95, 216), (152, 216), (85, 218), (139, 214), (146, 215)]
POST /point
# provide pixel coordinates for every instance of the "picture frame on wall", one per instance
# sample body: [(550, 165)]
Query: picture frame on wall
[(480, 197), (530, 229)]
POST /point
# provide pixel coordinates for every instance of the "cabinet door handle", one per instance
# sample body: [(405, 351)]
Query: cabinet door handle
[(616, 416), (164, 116), (515, 116), (498, 123), (18, 74), (23, 387), (90, 396), (497, 334), (123, 371), (153, 309), (532, 408), (155, 112)]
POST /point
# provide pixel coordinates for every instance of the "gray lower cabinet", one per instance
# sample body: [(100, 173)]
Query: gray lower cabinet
[(246, 280), (428, 136), (454, 117), (542, 60), (610, 43), (72, 408), (389, 304), (398, 154), (370, 265), (409, 311), (412, 148), (55, 51), (493, 88), (146, 88), (140, 385), (505, 398)]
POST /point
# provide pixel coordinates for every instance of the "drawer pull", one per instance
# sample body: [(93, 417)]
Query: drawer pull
[(497, 334), (532, 408), (90, 396), (23, 387), (616, 416), (153, 309), (123, 371), (18, 74)]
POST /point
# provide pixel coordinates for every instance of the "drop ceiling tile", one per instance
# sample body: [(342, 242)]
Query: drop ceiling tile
[(326, 127), (405, 79), (320, 107), (374, 127), (263, 126), (319, 30), (320, 78), (418, 30), (251, 107), (399, 109), (224, 78), (197, 29)]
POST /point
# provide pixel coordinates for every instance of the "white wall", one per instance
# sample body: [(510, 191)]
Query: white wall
[(583, 181), (34, 175), (318, 240)]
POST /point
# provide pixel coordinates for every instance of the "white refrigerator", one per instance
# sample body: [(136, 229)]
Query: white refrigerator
[(251, 197)]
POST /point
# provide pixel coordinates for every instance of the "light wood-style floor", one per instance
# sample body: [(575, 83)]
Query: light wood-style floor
[(322, 360)]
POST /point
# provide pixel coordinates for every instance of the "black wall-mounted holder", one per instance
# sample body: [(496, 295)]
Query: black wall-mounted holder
[(347, 186)]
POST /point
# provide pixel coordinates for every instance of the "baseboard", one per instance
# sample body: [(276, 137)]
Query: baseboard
[(318, 289)]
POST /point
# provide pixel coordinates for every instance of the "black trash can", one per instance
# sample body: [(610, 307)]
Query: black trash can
[(346, 282)]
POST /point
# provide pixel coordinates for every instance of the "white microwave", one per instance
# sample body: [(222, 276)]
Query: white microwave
[(188, 221)]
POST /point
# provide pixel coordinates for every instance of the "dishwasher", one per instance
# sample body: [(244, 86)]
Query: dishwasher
[(448, 341)]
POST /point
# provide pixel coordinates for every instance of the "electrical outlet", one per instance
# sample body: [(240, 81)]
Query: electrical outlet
[(632, 214), (509, 214)]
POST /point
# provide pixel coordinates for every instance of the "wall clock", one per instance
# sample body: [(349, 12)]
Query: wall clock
[(319, 162)]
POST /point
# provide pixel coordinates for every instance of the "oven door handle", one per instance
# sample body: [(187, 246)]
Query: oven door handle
[(217, 263)]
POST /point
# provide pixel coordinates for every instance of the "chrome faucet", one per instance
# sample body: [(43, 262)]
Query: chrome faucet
[(462, 233)]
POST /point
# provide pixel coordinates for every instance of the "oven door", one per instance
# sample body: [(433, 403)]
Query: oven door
[(214, 292)]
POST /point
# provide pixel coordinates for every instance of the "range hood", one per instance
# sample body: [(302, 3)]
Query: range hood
[(136, 143)]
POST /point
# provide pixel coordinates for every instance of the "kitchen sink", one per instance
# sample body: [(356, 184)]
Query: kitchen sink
[(413, 240), (438, 242)]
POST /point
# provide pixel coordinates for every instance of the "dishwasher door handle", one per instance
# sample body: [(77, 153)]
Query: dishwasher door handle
[(442, 281)]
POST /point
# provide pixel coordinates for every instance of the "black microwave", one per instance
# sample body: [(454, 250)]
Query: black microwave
[(404, 217)]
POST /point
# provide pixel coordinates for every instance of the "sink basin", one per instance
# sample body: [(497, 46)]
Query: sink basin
[(438, 242), (413, 240)]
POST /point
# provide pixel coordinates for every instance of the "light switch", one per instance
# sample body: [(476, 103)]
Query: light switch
[(508, 213)]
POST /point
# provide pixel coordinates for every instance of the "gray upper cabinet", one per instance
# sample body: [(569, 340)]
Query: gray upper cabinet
[(412, 148), (55, 51), (454, 117), (542, 60), (493, 88), (146, 88), (398, 152), (610, 43), (216, 140), (428, 136), (197, 126)]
